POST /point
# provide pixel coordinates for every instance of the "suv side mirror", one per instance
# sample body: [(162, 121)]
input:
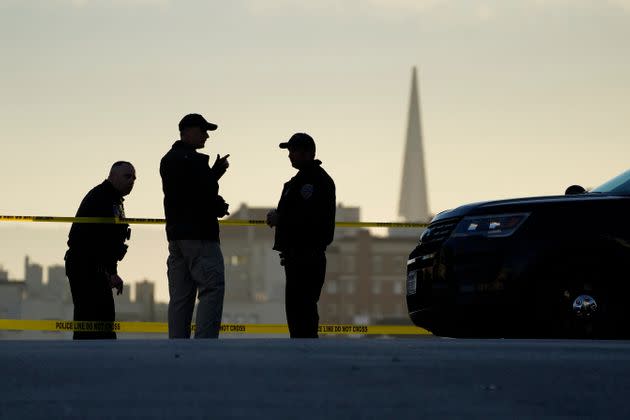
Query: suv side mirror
[(574, 189)]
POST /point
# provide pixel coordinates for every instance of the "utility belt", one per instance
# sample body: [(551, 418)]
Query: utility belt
[(94, 257)]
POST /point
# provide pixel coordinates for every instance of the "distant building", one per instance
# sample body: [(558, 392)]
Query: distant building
[(414, 203), (33, 277), (10, 299), (364, 281), (145, 296), (253, 271), (57, 287)]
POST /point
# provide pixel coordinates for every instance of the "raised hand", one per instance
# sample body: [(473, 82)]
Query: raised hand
[(220, 165)]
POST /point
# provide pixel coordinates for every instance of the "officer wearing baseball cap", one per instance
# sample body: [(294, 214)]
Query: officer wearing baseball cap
[(196, 120), (192, 206), (305, 226)]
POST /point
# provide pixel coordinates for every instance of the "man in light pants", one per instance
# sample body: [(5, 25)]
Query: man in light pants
[(192, 205)]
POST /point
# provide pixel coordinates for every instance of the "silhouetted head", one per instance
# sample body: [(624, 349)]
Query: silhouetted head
[(301, 149), (122, 176), (574, 189), (193, 130)]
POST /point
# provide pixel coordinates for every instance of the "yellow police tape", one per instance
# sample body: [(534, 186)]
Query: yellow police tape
[(227, 222), (162, 327)]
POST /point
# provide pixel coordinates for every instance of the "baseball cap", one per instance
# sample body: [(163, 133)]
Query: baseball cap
[(300, 141), (196, 120)]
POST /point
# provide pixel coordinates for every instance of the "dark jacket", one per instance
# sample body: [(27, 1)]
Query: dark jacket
[(99, 244), (191, 194), (306, 211)]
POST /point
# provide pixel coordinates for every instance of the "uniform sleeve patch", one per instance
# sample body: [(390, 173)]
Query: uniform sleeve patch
[(307, 191)]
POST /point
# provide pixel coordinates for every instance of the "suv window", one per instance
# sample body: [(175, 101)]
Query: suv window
[(618, 185)]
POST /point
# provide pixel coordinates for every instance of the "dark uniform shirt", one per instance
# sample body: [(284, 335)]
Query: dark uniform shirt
[(191, 194), (99, 244), (306, 211)]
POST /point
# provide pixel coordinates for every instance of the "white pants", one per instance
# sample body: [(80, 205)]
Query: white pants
[(195, 267)]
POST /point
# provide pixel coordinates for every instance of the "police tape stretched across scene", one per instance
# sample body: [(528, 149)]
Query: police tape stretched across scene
[(148, 221), (162, 327)]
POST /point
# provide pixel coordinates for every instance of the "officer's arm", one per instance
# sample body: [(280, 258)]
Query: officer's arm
[(329, 209), (108, 241), (324, 217)]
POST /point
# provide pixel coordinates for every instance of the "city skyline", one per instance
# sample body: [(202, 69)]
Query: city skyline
[(45, 244), (365, 280)]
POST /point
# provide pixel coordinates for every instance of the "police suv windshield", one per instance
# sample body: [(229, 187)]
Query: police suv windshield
[(618, 185)]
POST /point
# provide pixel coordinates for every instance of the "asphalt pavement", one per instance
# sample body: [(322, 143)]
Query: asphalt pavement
[(334, 378)]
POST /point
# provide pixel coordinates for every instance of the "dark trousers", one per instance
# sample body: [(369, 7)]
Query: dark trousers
[(92, 297), (305, 277)]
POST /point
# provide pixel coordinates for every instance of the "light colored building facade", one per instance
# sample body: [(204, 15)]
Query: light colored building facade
[(365, 279)]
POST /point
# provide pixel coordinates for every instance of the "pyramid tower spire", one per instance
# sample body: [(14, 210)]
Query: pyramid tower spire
[(413, 205)]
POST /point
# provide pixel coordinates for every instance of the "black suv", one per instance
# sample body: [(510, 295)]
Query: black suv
[(556, 266)]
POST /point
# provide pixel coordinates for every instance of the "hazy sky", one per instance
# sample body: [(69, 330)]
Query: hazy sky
[(518, 97)]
